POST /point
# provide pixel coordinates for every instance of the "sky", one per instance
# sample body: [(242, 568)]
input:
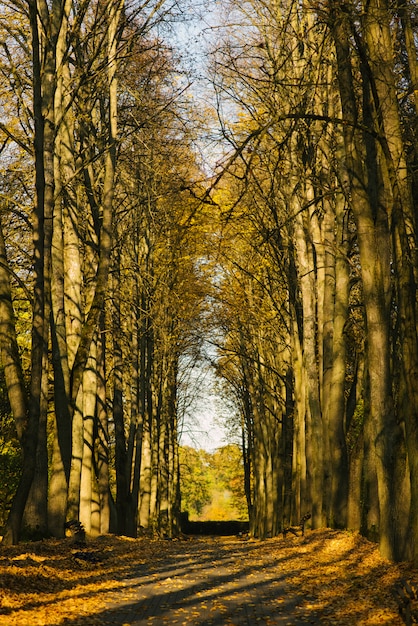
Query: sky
[(202, 427), (201, 411)]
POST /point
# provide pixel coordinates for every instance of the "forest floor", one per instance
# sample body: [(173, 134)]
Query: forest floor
[(327, 577)]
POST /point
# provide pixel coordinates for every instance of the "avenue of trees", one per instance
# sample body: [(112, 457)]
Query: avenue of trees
[(316, 307), (99, 291), (297, 260)]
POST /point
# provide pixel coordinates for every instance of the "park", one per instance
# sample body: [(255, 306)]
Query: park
[(209, 206)]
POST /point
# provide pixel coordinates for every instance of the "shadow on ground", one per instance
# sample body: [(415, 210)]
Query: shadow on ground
[(327, 577), (204, 582)]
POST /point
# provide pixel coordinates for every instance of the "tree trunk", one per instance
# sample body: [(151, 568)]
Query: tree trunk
[(374, 248), (64, 300), (102, 438), (9, 351), (381, 65), (105, 246), (121, 458), (89, 416), (336, 391), (43, 103), (314, 428), (35, 519)]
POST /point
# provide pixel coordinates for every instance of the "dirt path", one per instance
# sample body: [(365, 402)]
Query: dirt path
[(328, 578), (210, 582)]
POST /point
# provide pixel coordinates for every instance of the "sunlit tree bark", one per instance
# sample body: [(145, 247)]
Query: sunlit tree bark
[(43, 60), (374, 246)]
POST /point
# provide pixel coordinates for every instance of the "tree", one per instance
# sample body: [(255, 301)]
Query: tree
[(195, 480), (212, 486), (322, 171), (228, 469), (79, 55)]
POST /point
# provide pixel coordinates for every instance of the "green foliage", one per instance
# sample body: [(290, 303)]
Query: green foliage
[(10, 453), (10, 469), (228, 468), (195, 480), (212, 485)]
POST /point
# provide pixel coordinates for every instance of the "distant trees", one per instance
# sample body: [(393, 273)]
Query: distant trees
[(195, 480), (212, 486)]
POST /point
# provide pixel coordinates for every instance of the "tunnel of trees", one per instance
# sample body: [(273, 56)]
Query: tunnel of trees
[(290, 246)]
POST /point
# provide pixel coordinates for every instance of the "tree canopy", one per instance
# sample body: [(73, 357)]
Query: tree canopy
[(269, 211)]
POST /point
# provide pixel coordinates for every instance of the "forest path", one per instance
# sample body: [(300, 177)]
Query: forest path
[(328, 577), (212, 582)]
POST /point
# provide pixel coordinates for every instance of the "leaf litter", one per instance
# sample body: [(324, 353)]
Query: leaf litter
[(339, 576)]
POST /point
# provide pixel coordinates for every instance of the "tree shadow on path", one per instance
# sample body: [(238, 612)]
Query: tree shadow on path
[(203, 582)]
